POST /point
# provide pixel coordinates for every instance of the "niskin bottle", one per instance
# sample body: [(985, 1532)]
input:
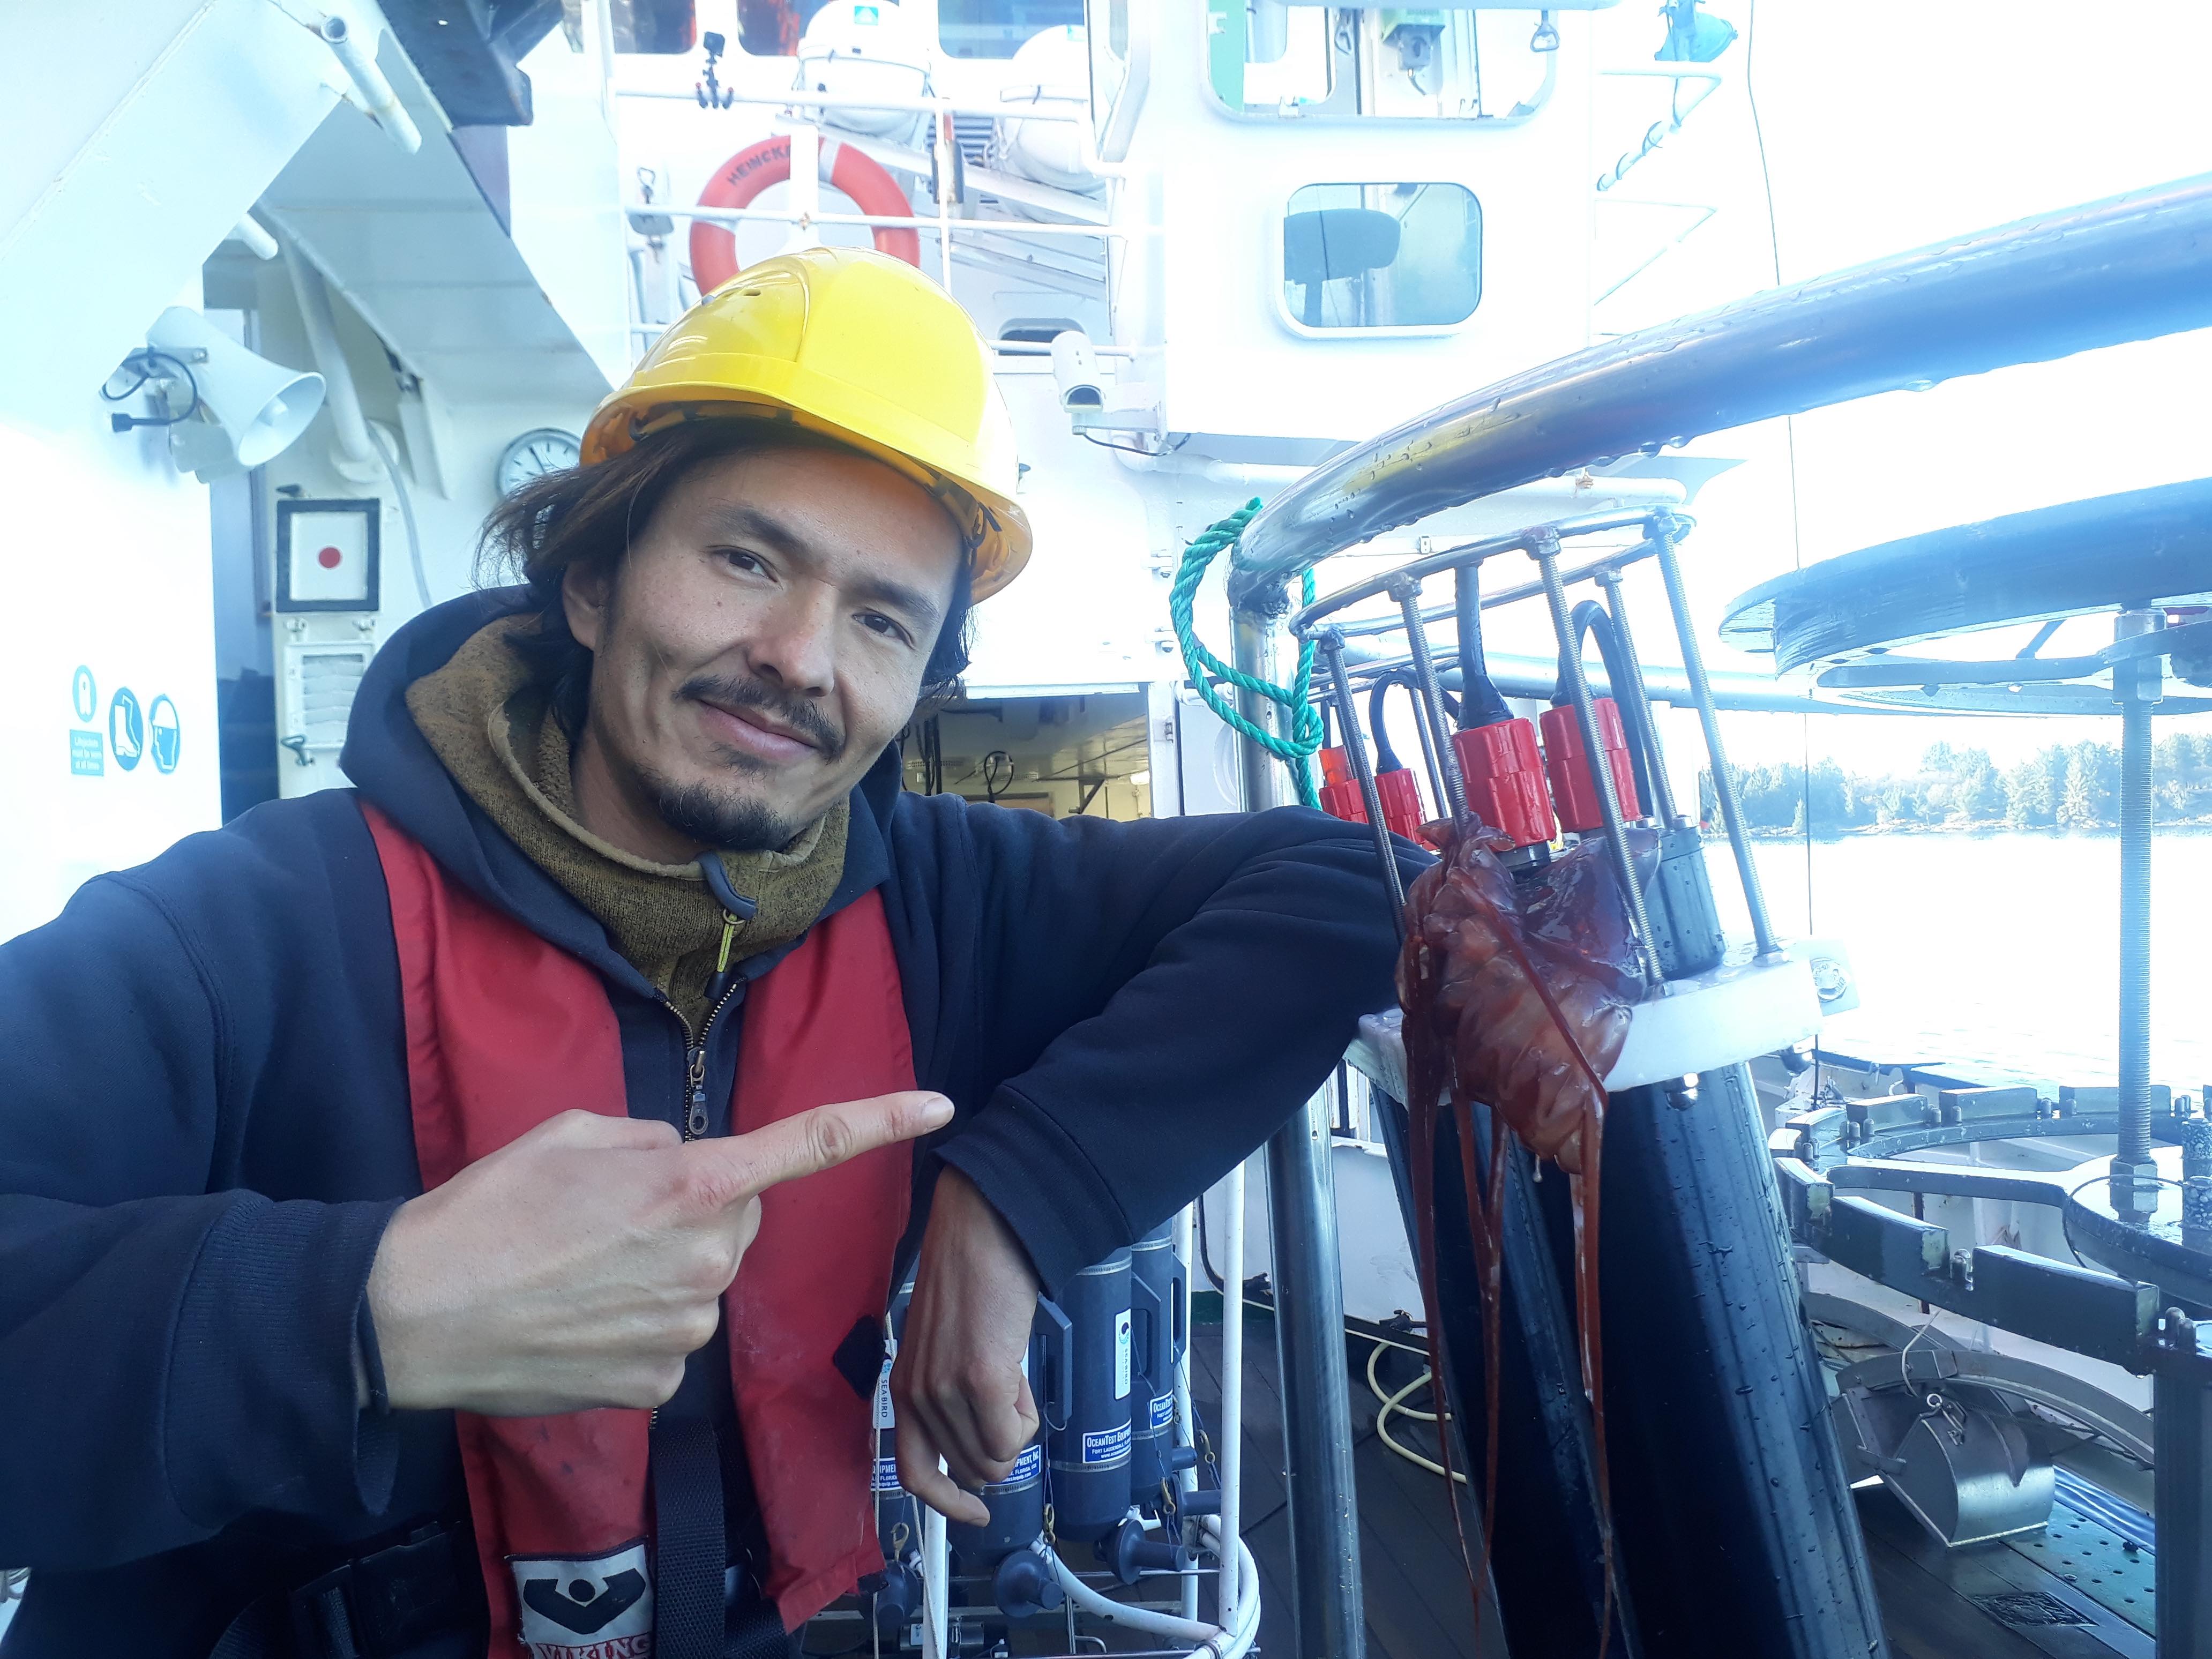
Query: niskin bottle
[(1017, 1504), (1089, 1455), (1157, 1302)]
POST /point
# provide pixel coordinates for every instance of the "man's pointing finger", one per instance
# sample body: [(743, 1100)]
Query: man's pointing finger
[(732, 1170)]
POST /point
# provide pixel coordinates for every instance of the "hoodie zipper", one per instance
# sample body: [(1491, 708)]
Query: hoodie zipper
[(694, 1063), (694, 1052)]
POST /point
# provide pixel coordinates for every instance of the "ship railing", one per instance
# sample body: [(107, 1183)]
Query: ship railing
[(941, 162)]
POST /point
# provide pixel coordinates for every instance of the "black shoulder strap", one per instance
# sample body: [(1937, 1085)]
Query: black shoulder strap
[(689, 1550), (756, 1632)]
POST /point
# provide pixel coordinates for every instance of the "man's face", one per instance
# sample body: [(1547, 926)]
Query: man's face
[(763, 642)]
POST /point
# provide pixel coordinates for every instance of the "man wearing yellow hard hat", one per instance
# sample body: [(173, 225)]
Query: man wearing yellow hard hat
[(458, 1214)]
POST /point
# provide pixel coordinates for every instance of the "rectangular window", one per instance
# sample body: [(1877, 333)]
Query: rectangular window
[(996, 29), (662, 27), (1289, 59), (1264, 57), (1382, 255), (772, 28)]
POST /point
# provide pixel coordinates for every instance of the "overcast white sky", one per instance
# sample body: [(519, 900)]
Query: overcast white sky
[(1887, 128)]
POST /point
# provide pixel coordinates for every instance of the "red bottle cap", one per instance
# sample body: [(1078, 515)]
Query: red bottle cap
[(1574, 786), (1505, 777), (1342, 799), (1402, 803)]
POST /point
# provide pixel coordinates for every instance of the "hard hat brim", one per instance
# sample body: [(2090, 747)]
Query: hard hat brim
[(704, 388)]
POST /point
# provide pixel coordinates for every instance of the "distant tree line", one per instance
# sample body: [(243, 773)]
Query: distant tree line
[(2065, 787)]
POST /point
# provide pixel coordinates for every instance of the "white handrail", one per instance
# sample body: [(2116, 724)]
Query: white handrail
[(1229, 1454), (1186, 1480), (887, 220), (1022, 349), (798, 97), (376, 93)]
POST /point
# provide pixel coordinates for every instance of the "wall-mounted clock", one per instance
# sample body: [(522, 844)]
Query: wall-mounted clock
[(544, 449)]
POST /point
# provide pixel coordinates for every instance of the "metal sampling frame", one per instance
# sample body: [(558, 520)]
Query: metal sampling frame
[(2129, 268)]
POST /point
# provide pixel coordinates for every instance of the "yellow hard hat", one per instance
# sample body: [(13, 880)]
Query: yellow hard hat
[(861, 348)]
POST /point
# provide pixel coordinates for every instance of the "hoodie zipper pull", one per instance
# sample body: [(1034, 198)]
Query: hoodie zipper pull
[(737, 909), (695, 1113)]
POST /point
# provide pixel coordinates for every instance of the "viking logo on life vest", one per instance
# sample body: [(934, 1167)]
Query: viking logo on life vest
[(573, 1607)]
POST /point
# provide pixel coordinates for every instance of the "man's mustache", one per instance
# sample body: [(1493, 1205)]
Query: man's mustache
[(799, 714)]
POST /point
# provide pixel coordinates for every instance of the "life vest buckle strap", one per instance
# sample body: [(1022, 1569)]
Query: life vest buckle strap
[(380, 1606), (387, 1603)]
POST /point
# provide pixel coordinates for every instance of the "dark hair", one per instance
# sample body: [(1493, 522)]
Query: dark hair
[(587, 518)]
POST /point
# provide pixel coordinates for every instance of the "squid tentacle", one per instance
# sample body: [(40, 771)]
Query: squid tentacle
[(1521, 1004)]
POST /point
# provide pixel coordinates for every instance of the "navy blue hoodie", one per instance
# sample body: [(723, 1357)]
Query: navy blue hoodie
[(204, 1126)]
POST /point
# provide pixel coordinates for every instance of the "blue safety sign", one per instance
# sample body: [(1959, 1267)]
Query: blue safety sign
[(126, 730), (164, 732), (84, 696)]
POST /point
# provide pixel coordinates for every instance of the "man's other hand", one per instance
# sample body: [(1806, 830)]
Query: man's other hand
[(578, 1266), (958, 1384)]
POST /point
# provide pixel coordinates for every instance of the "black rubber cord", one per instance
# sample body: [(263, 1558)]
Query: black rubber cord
[(1590, 619)]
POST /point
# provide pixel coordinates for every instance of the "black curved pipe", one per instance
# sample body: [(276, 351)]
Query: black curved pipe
[(1590, 619), (1483, 706), (1386, 758)]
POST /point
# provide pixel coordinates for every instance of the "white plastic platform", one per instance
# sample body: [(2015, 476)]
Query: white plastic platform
[(1745, 1007)]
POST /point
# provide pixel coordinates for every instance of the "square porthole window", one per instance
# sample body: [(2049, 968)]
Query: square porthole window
[(1397, 257), (660, 27), (997, 29)]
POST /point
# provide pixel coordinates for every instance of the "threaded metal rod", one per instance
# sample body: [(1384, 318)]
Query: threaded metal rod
[(2134, 931), (1635, 701), (1663, 531), (1445, 760), (1546, 548)]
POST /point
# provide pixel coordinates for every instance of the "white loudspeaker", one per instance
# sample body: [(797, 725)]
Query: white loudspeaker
[(1075, 371), (258, 407)]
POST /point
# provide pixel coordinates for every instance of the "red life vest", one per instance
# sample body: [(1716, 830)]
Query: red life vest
[(505, 1031)]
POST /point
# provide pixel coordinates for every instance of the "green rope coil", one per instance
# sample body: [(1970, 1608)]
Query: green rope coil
[(1204, 668)]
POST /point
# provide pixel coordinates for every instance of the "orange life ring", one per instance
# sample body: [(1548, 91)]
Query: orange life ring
[(753, 169)]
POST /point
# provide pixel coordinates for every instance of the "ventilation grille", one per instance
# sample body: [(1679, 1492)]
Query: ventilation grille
[(320, 684), (2029, 1608), (974, 134)]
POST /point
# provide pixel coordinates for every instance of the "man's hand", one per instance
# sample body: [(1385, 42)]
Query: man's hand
[(576, 1267), (957, 1384)]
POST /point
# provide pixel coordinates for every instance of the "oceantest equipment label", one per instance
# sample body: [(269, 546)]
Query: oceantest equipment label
[(1106, 1445)]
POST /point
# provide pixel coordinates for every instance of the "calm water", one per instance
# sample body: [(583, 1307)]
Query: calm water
[(2002, 950)]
